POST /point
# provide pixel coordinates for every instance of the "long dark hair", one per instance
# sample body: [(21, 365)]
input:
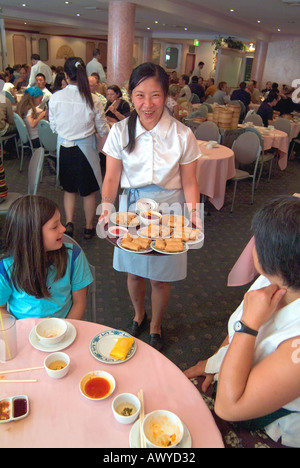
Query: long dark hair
[(76, 71), (140, 74), (23, 240)]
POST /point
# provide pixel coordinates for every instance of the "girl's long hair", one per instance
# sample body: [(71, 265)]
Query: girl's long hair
[(76, 71), (26, 103), (23, 239), (139, 74)]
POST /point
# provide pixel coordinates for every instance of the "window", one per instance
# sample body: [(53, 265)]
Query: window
[(171, 57)]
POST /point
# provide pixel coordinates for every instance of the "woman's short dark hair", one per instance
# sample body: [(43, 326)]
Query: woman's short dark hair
[(115, 88), (140, 74), (276, 228), (76, 71)]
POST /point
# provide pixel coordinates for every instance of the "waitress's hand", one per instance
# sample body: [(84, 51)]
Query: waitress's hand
[(196, 220), (106, 210)]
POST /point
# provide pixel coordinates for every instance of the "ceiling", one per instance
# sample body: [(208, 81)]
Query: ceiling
[(192, 19)]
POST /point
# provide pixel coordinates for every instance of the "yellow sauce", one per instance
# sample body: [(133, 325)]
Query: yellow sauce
[(57, 365), (126, 409)]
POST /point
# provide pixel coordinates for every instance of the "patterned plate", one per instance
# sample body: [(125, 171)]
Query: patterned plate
[(102, 344)]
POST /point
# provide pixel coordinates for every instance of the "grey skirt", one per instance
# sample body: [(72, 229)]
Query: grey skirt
[(166, 268)]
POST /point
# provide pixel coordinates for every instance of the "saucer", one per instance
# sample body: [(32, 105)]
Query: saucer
[(68, 339), (135, 441)]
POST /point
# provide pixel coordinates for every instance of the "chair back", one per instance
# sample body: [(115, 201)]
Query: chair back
[(47, 138), (254, 130), (201, 111), (91, 302), (246, 148), (228, 136), (35, 169), (194, 98), (9, 96), (208, 131), (209, 107), (255, 119), (284, 125), (21, 127)]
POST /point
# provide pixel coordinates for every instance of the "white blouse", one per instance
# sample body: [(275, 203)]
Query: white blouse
[(71, 117), (285, 324), (157, 155)]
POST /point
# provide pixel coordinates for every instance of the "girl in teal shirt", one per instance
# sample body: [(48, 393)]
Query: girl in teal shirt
[(40, 275)]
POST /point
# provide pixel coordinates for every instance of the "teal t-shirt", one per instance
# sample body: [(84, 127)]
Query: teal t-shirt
[(77, 276)]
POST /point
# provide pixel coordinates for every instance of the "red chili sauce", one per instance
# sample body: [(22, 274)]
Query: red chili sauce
[(150, 215), (97, 387)]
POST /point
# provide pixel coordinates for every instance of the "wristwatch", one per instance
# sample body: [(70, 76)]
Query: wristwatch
[(240, 327)]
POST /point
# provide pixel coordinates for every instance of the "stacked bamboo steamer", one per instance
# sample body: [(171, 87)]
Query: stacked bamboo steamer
[(236, 110), (225, 118)]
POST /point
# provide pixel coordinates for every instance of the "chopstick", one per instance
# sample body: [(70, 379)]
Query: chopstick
[(15, 381), (142, 414), (5, 337), (21, 370)]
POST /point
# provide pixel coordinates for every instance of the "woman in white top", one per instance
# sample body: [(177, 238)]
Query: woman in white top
[(75, 114), (151, 155), (258, 365)]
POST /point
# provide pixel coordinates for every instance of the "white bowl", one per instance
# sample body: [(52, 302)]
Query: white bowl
[(96, 375), (145, 204), (127, 399), (162, 429), (117, 231), (150, 220), (51, 331), (53, 358)]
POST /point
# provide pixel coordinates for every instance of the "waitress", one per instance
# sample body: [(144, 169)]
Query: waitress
[(74, 114), (150, 154)]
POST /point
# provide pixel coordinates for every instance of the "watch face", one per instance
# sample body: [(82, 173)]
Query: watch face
[(238, 326)]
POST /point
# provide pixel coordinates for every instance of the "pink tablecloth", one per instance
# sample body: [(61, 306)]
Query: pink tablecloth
[(295, 129), (243, 271), (61, 417), (214, 168)]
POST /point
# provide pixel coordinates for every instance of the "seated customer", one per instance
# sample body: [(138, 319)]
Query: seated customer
[(211, 89), (7, 123), (41, 83), (23, 80), (266, 109), (185, 90), (285, 105), (30, 112), (241, 94), (40, 275), (171, 102), (196, 88), (221, 96), (116, 108), (257, 367)]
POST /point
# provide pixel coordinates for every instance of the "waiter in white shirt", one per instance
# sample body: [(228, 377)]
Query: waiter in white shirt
[(95, 66), (39, 67)]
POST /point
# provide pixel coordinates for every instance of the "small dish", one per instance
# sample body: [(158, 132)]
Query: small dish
[(57, 365), (135, 438), (150, 217), (97, 385), (126, 408), (51, 331), (117, 231), (162, 429), (145, 204), (64, 343), (14, 408), (102, 344)]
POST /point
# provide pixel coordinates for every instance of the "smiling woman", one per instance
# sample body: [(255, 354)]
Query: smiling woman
[(40, 276)]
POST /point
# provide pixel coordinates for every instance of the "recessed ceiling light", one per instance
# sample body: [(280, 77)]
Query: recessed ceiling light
[(156, 22), (148, 28), (231, 9), (185, 29), (278, 29), (77, 14), (24, 4), (258, 21)]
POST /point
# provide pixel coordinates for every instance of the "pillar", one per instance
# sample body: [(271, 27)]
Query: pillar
[(121, 19), (147, 49), (261, 49)]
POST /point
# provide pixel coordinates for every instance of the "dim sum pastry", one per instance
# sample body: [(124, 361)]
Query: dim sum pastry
[(122, 348)]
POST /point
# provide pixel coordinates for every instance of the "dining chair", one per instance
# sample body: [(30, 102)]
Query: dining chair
[(34, 175), (264, 157), (247, 151), (9, 96), (209, 107), (24, 137), (208, 131), (255, 119), (92, 289), (35, 170), (8, 137), (230, 135), (201, 111), (48, 140), (194, 99)]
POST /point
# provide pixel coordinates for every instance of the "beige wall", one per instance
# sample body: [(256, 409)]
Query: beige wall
[(282, 63)]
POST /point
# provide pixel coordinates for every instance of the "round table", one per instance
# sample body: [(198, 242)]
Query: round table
[(214, 167), (60, 416)]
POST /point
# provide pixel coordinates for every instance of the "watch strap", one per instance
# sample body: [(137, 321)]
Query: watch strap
[(240, 327)]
